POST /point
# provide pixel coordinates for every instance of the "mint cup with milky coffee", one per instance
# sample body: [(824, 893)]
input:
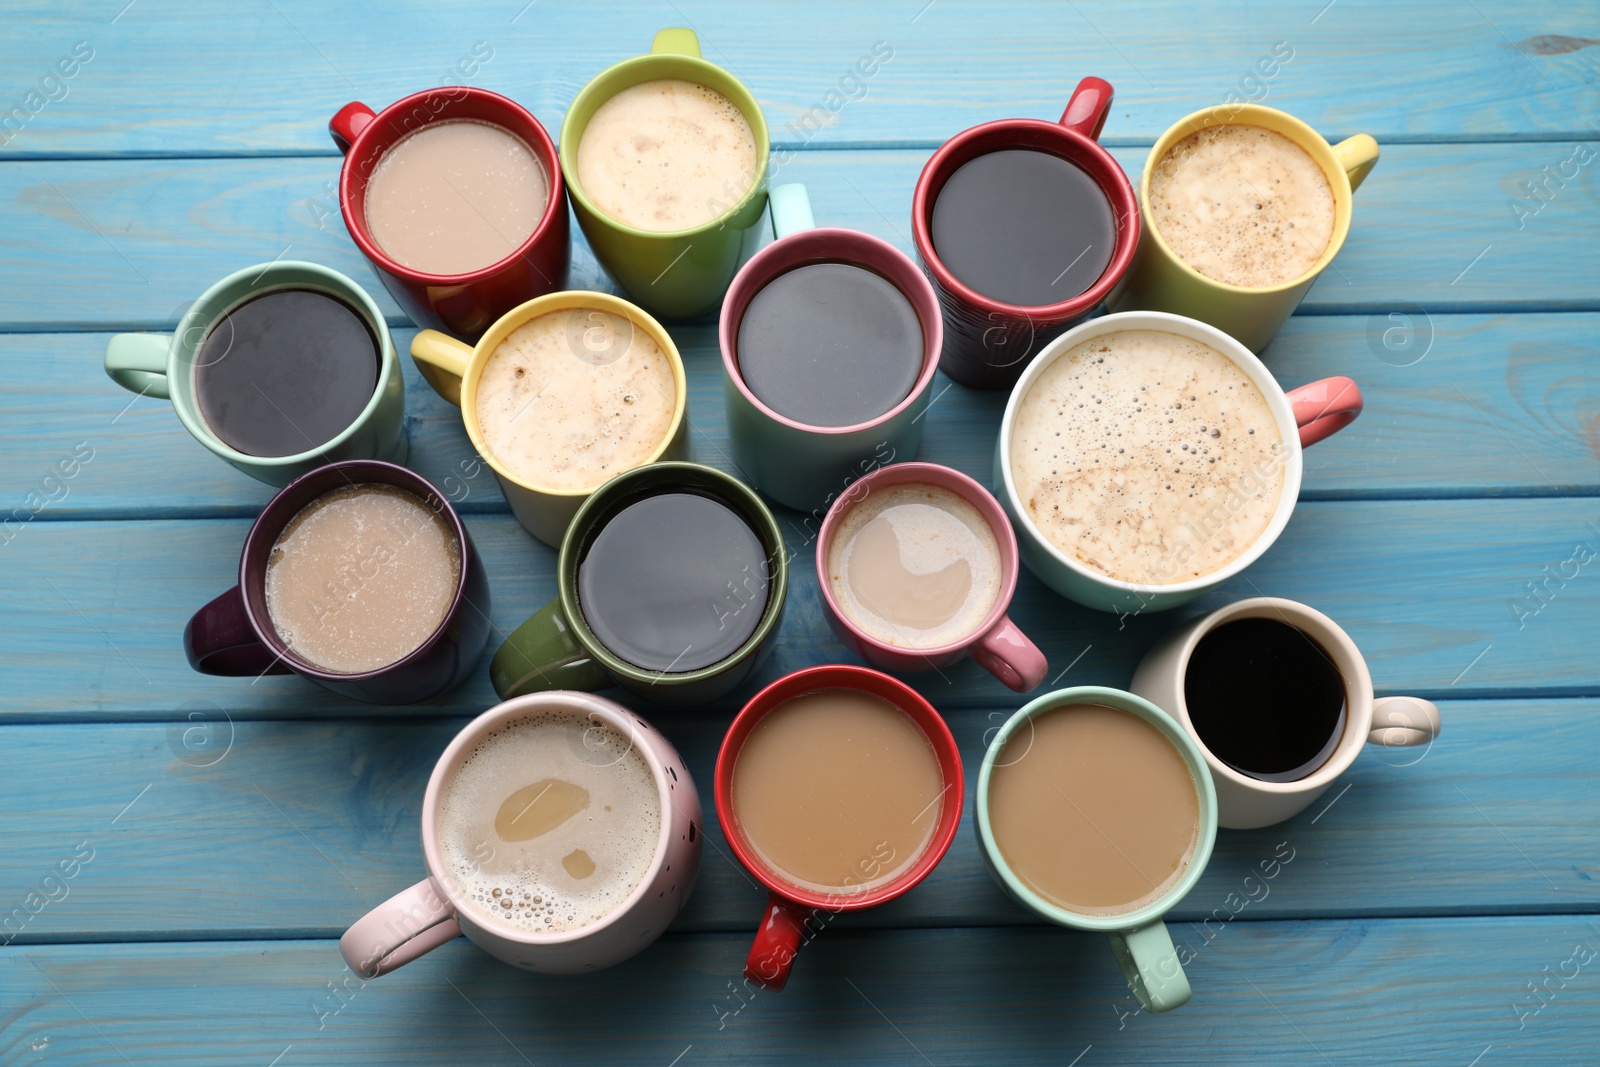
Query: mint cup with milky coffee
[(1145, 458)]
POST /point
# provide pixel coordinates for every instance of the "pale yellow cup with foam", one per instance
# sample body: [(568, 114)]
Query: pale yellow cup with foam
[(597, 402)]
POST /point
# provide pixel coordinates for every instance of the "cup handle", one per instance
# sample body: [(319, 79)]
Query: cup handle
[(1403, 721), (220, 640), (543, 654), (791, 209), (1008, 654), (347, 123), (409, 924), (777, 940), (1150, 964), (138, 362), (1324, 407), (443, 361), (676, 41), (1357, 155), (1087, 109)]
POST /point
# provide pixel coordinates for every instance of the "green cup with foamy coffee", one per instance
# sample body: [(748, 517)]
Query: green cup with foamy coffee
[(665, 156)]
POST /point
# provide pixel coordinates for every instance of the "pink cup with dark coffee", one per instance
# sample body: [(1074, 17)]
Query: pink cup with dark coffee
[(917, 564)]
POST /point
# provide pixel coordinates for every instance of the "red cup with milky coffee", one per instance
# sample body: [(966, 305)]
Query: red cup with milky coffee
[(466, 304), (795, 914)]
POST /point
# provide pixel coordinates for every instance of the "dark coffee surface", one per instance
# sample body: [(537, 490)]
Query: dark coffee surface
[(1023, 227), (1265, 699), (830, 344), (674, 582), (285, 372)]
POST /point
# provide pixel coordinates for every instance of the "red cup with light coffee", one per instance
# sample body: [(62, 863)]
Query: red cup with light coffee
[(455, 196), (839, 788)]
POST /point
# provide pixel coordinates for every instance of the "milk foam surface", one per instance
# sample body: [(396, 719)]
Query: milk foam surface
[(1243, 205), (914, 566), (667, 155), (574, 397), (361, 577), (1148, 457), (571, 875)]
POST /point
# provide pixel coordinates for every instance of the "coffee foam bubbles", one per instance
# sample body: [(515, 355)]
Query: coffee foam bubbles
[(526, 885), (1148, 457), (574, 397), (1243, 205), (667, 155), (914, 566)]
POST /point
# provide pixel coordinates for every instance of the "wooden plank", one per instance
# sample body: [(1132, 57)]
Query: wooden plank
[(1425, 71), (1439, 427), (293, 829), (1441, 594), (129, 242), (1380, 991)]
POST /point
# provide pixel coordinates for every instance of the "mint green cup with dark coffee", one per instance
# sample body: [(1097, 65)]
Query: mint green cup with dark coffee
[(278, 368), (674, 271), (670, 583)]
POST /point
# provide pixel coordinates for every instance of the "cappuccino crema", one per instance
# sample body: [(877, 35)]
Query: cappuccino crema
[(667, 155), (1242, 205), (1148, 457), (574, 397)]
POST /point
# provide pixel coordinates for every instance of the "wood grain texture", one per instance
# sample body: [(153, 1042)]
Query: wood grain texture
[(1425, 587), (235, 828), (117, 244), (1358, 991), (1500, 816), (167, 80), (1497, 405)]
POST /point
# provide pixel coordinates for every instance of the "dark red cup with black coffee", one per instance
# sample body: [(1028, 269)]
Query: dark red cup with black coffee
[(823, 798), (393, 612), (465, 302), (1025, 227)]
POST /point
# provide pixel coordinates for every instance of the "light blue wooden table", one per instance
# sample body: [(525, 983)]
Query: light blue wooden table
[(222, 834)]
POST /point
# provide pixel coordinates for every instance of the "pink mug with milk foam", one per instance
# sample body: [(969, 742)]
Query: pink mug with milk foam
[(996, 642), (440, 908)]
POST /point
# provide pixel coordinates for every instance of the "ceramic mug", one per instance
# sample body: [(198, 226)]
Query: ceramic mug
[(1160, 281), (163, 366), (437, 909), (453, 369), (557, 649), (1304, 416), (989, 342), (1139, 938), (233, 635), (787, 921), (1003, 649), (678, 274), (797, 464), (462, 304), (1244, 802)]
